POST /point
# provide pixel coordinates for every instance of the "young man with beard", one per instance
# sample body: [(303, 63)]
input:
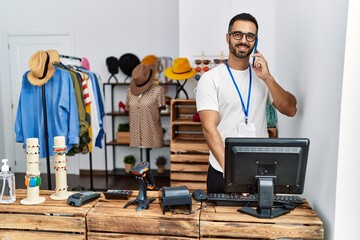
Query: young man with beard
[(231, 98)]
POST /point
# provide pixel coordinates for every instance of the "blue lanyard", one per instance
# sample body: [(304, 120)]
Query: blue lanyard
[(246, 109)]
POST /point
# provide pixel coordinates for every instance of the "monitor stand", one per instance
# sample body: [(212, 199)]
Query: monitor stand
[(265, 207)]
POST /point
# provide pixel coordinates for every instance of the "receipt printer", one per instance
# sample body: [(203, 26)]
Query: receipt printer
[(173, 196)]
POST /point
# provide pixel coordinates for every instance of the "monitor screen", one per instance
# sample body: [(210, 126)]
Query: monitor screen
[(265, 166)]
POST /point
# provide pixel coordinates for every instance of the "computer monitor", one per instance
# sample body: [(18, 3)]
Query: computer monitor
[(265, 166)]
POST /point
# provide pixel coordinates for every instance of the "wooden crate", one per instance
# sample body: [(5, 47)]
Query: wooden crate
[(223, 222), (183, 127), (189, 151), (189, 170), (110, 220), (123, 137), (49, 220)]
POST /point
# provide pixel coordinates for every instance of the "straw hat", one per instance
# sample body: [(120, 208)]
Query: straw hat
[(180, 70), (41, 68), (54, 56), (142, 78)]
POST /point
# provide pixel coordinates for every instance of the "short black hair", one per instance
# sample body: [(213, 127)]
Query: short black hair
[(243, 17)]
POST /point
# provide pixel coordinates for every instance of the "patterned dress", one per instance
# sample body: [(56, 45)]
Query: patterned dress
[(144, 117)]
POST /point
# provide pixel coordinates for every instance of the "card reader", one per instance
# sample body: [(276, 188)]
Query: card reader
[(80, 198)]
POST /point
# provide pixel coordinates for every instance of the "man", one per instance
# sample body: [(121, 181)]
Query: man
[(231, 98)]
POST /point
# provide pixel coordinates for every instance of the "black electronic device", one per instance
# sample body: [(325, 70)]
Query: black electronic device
[(146, 181), (265, 166), (174, 196), (255, 49), (117, 194), (80, 198), (199, 195), (250, 200)]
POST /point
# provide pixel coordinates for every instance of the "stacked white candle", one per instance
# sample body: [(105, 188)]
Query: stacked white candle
[(32, 177), (60, 168)]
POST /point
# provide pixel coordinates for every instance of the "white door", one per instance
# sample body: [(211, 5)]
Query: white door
[(21, 48)]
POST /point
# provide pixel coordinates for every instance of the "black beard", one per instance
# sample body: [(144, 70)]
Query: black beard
[(240, 55)]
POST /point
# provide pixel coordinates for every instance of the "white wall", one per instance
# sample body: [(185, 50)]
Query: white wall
[(100, 29), (348, 177), (313, 53)]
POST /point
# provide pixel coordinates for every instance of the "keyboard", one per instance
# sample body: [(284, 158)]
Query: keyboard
[(234, 199)]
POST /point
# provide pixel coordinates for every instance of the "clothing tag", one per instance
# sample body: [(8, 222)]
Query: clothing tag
[(246, 130)]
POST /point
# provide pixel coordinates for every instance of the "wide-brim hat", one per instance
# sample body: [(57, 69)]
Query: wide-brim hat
[(142, 78), (128, 62), (41, 68), (54, 56), (149, 59), (112, 65), (180, 70)]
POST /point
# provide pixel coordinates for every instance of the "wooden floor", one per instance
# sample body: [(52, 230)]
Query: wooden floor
[(118, 180)]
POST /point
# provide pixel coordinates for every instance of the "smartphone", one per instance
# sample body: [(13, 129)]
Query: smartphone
[(255, 48)]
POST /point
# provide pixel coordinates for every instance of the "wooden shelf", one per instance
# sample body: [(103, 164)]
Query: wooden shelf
[(128, 83), (189, 151), (115, 143), (118, 113)]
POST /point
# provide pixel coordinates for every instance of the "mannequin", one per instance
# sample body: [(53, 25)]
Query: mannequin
[(144, 102)]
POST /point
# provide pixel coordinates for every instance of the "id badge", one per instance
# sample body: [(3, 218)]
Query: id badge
[(246, 130)]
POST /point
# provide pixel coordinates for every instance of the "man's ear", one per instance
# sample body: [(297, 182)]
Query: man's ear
[(227, 38)]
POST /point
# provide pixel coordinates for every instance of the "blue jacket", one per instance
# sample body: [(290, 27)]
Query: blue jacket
[(62, 116)]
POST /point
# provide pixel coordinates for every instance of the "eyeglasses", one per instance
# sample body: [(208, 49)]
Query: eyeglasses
[(218, 61), (204, 61), (237, 35)]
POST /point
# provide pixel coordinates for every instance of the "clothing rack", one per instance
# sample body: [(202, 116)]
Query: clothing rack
[(70, 57), (47, 134), (46, 131)]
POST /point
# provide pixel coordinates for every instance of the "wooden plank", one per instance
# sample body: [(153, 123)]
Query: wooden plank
[(260, 231), (112, 236), (42, 223), (185, 167), (189, 158), (187, 122), (226, 222), (190, 185), (51, 216), (21, 235), (151, 221), (193, 177), (189, 147)]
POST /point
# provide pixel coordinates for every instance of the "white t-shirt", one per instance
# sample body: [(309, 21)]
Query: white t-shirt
[(216, 91)]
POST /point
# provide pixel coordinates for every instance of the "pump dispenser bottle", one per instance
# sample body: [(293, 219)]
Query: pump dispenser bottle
[(7, 184)]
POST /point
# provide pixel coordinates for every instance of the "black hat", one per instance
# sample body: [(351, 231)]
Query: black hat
[(112, 65), (128, 62)]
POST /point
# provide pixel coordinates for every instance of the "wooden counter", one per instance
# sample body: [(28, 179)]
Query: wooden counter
[(226, 222), (52, 219), (105, 219), (109, 220)]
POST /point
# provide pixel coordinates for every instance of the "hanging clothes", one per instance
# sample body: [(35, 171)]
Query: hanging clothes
[(62, 113), (97, 110), (84, 138)]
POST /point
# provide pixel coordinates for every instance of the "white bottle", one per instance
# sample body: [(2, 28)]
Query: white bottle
[(7, 184)]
